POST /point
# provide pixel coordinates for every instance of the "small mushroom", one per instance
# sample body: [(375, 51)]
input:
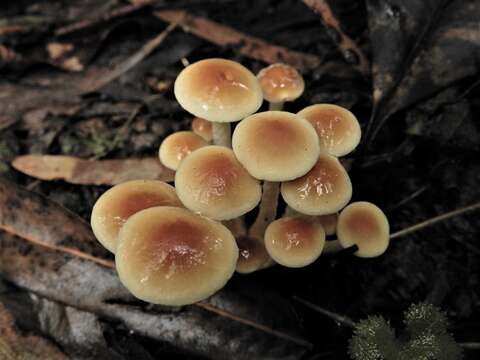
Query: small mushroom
[(202, 128), (294, 241), (337, 128), (220, 91), (252, 254), (170, 256), (116, 205), (178, 145), (324, 190), (365, 225), (280, 83), (212, 182)]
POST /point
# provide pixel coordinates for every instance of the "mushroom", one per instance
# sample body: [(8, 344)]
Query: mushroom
[(178, 145), (294, 241), (202, 128), (220, 91), (212, 182), (252, 254), (274, 146), (324, 190), (170, 256), (363, 224), (337, 128), (280, 83), (116, 205), (329, 223)]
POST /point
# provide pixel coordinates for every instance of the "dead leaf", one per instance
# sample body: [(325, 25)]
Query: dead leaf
[(248, 45), (57, 50), (419, 48), (88, 172)]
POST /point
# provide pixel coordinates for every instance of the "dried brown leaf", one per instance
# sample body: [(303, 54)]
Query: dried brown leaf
[(87, 172)]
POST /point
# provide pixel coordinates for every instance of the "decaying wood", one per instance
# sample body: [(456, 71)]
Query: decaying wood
[(91, 172), (344, 42), (250, 46), (93, 286)]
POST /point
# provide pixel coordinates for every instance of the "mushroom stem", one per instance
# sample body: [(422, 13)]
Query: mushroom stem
[(332, 247), (236, 226), (268, 209), (222, 134), (275, 106)]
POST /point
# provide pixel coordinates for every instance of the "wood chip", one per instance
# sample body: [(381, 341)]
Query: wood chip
[(91, 172), (250, 46)]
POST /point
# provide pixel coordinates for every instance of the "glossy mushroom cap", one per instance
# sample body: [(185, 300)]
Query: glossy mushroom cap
[(117, 204), (325, 189), (252, 254), (218, 90), (337, 128), (365, 225), (178, 145), (294, 241), (329, 223), (280, 83), (202, 128), (170, 256), (212, 182), (275, 145)]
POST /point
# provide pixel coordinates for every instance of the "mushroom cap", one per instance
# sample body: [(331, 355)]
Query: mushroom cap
[(294, 241), (218, 90), (329, 223), (280, 83), (365, 225), (212, 182), (325, 189), (252, 254), (337, 128), (176, 146), (275, 145), (116, 205), (170, 256), (202, 128)]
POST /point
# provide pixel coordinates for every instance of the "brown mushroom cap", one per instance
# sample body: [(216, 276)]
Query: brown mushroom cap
[(325, 189), (252, 254), (280, 83), (329, 223), (212, 182), (178, 145), (275, 145), (294, 241), (337, 128), (170, 256), (218, 90), (202, 128), (117, 204), (365, 225)]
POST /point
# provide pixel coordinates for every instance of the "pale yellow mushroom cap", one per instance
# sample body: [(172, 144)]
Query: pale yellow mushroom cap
[(275, 145), (252, 254), (212, 182), (365, 225), (218, 90), (202, 128), (325, 189), (337, 128), (280, 83), (170, 256), (176, 146), (117, 204), (294, 241)]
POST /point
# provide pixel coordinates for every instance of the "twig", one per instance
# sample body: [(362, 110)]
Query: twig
[(132, 61), (250, 46), (470, 345), (344, 320), (119, 12), (435, 220), (346, 45), (253, 324)]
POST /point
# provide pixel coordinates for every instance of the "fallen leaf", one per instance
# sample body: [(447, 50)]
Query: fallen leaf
[(91, 172), (419, 48), (57, 50)]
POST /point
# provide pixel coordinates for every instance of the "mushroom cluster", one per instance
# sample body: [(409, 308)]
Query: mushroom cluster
[(178, 245)]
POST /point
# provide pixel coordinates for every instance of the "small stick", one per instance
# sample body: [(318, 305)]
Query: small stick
[(344, 320)]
